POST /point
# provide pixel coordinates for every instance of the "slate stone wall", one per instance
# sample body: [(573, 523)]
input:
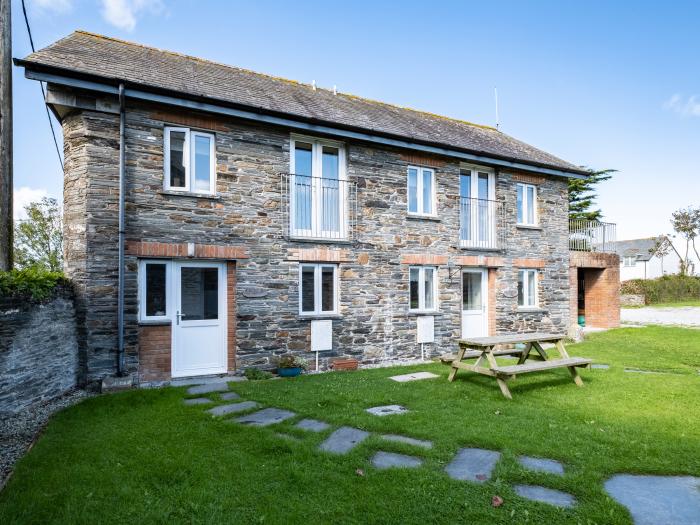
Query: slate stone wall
[(38, 350), (374, 322)]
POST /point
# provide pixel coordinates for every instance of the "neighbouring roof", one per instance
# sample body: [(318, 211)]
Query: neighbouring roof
[(95, 56), (638, 247)]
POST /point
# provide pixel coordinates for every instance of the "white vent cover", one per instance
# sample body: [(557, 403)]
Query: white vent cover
[(426, 329), (321, 335)]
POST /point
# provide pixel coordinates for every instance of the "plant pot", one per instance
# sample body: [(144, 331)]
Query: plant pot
[(289, 372)]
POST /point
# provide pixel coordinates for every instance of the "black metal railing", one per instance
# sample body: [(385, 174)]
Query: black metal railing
[(319, 208), (481, 224), (592, 236)]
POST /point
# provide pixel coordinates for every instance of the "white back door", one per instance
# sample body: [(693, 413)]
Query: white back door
[(474, 303)]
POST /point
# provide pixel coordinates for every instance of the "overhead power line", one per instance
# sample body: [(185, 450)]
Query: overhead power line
[(41, 85)]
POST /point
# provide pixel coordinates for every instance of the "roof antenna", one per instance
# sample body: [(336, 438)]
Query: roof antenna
[(335, 90), (313, 85), (495, 96)]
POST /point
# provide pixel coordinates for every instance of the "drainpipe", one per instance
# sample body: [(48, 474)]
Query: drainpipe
[(121, 360)]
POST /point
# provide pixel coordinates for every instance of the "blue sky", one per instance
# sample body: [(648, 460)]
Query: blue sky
[(600, 84)]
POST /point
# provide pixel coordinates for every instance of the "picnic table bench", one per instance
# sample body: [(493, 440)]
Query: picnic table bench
[(483, 350)]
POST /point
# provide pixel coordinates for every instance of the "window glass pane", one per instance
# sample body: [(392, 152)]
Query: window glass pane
[(330, 190), (302, 158), (202, 163), (413, 190), (531, 283), (413, 288), (429, 276), (307, 288), (520, 204), (530, 204), (177, 162), (521, 288), (155, 290), (427, 191), (483, 185), (465, 184), (302, 186), (327, 289), (471, 291), (199, 293)]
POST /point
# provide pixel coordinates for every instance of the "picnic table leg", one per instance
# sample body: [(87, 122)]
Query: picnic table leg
[(537, 346), (460, 356), (526, 352), (572, 369), (501, 382), (504, 388)]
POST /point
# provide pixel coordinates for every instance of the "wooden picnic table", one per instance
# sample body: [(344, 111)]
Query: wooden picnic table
[(483, 349)]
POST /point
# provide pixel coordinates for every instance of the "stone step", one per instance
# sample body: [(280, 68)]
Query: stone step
[(408, 440), (222, 410), (208, 388), (265, 417), (384, 460), (473, 464), (197, 401), (545, 495), (343, 440), (312, 425), (550, 466)]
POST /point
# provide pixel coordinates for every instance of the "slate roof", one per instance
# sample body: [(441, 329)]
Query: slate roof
[(638, 247), (90, 55)]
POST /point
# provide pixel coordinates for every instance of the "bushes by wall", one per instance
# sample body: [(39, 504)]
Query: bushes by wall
[(33, 284), (666, 289)]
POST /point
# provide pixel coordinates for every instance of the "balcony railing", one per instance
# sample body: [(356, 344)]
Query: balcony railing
[(319, 208), (481, 224), (592, 236)]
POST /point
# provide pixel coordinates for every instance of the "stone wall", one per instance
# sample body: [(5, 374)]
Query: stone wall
[(38, 350), (374, 322)]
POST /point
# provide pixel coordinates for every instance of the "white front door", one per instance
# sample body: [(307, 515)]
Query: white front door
[(474, 303), (199, 327)]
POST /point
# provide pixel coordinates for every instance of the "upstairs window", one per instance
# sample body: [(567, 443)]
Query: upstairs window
[(527, 204), (318, 289), (422, 288), (421, 191), (527, 289), (190, 161)]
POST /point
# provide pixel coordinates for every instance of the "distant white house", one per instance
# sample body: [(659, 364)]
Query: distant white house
[(639, 259)]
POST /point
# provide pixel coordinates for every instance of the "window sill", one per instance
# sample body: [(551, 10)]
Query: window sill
[(418, 313), (318, 317), (189, 194), (154, 322), (419, 217), (531, 310), (320, 240), (528, 227)]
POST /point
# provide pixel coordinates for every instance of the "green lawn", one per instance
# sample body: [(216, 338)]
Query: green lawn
[(678, 304), (142, 456)]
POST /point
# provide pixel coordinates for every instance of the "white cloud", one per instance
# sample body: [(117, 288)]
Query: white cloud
[(686, 107), (123, 14), (55, 6), (23, 196)]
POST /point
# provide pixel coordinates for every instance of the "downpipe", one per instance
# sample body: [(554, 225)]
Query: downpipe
[(121, 357)]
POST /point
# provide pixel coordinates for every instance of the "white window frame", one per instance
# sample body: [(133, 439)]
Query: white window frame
[(421, 289), (529, 273), (419, 193), (142, 290), (188, 160), (316, 230), (626, 261), (526, 203), (318, 299)]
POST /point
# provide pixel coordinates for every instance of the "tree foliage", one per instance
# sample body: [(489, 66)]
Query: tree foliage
[(686, 225), (39, 237), (582, 195)]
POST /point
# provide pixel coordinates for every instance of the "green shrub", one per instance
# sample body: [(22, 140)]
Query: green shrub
[(292, 361), (30, 283), (666, 289), (255, 374)]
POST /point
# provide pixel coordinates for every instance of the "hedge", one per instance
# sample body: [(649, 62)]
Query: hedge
[(31, 283), (666, 289)]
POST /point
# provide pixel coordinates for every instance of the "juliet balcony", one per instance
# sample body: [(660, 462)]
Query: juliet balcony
[(481, 224)]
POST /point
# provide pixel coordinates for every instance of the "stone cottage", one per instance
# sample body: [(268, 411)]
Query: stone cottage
[(256, 216)]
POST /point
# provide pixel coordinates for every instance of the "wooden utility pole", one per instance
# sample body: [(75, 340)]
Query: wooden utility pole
[(5, 136)]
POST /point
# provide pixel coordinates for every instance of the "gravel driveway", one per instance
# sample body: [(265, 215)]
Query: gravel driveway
[(680, 316)]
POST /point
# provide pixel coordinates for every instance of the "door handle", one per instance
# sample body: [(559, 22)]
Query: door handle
[(178, 315)]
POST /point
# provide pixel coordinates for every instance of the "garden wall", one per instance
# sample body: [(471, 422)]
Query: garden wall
[(38, 350)]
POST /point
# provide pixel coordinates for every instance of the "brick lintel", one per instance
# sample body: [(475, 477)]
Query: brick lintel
[(183, 249), (479, 260), (317, 255), (529, 263), (420, 258)]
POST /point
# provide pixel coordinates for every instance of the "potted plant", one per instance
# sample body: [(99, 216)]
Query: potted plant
[(291, 365)]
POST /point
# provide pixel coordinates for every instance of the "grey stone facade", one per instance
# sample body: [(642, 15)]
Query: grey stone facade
[(38, 350), (249, 210)]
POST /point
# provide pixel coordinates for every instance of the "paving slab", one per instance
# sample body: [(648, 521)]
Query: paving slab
[(343, 440), (265, 417), (198, 401), (208, 388), (312, 425), (228, 396), (416, 376), (383, 460), (545, 495), (408, 440), (600, 366), (387, 410), (286, 436), (657, 500), (550, 466), (473, 464), (222, 410)]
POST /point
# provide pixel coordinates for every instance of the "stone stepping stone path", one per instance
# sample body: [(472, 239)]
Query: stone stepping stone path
[(657, 500), (384, 460), (408, 440), (222, 410), (417, 376), (265, 417), (228, 396), (312, 425), (343, 440), (197, 401), (207, 388), (473, 464), (388, 410), (542, 465), (545, 495), (599, 366)]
